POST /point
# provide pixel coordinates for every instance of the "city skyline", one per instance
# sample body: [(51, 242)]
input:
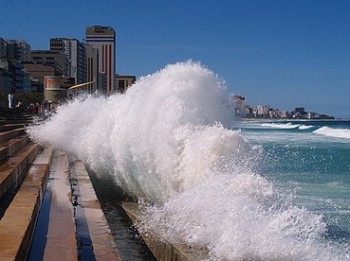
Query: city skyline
[(282, 53)]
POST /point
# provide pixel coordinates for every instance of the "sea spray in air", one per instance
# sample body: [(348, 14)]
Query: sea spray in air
[(168, 141), (139, 136)]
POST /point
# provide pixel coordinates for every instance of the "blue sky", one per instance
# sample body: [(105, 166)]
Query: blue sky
[(278, 52)]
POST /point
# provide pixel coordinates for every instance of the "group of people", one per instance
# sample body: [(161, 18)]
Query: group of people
[(34, 108), (41, 108)]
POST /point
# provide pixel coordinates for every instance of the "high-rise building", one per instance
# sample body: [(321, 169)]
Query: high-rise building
[(92, 67), (76, 55), (104, 39), (18, 50), (14, 77)]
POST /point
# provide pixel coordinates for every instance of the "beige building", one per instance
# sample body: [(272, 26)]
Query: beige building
[(39, 71), (54, 59), (124, 82)]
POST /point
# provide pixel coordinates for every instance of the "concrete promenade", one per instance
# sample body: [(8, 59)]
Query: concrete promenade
[(48, 207)]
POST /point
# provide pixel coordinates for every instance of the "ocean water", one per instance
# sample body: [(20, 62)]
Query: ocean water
[(240, 190), (310, 160)]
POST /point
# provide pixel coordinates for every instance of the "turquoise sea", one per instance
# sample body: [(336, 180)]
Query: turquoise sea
[(311, 161)]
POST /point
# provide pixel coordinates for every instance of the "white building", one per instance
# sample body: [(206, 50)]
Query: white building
[(263, 109), (104, 39)]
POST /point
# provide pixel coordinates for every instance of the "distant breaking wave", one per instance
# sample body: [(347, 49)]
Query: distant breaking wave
[(287, 126), (335, 133), (305, 127)]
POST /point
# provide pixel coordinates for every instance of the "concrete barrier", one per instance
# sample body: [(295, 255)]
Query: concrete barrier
[(164, 250)]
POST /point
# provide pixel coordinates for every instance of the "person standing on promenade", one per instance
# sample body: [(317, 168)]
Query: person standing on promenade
[(11, 100)]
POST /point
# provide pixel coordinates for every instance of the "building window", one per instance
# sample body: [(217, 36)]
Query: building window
[(121, 84)]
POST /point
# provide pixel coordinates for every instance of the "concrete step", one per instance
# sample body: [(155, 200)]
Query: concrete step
[(7, 127), (16, 121), (61, 242), (17, 225), (14, 113), (11, 147), (11, 134), (73, 226), (92, 228), (15, 168), (14, 116), (44, 187)]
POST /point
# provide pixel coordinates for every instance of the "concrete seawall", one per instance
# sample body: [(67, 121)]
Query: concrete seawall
[(164, 250)]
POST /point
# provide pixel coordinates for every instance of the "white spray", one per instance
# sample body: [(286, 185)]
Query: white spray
[(168, 141)]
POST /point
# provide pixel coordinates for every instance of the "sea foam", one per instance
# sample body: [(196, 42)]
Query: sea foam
[(287, 126), (332, 132), (168, 141)]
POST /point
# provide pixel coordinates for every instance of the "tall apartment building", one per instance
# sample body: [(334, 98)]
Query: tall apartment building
[(13, 77), (76, 55), (104, 39), (92, 65), (18, 50)]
